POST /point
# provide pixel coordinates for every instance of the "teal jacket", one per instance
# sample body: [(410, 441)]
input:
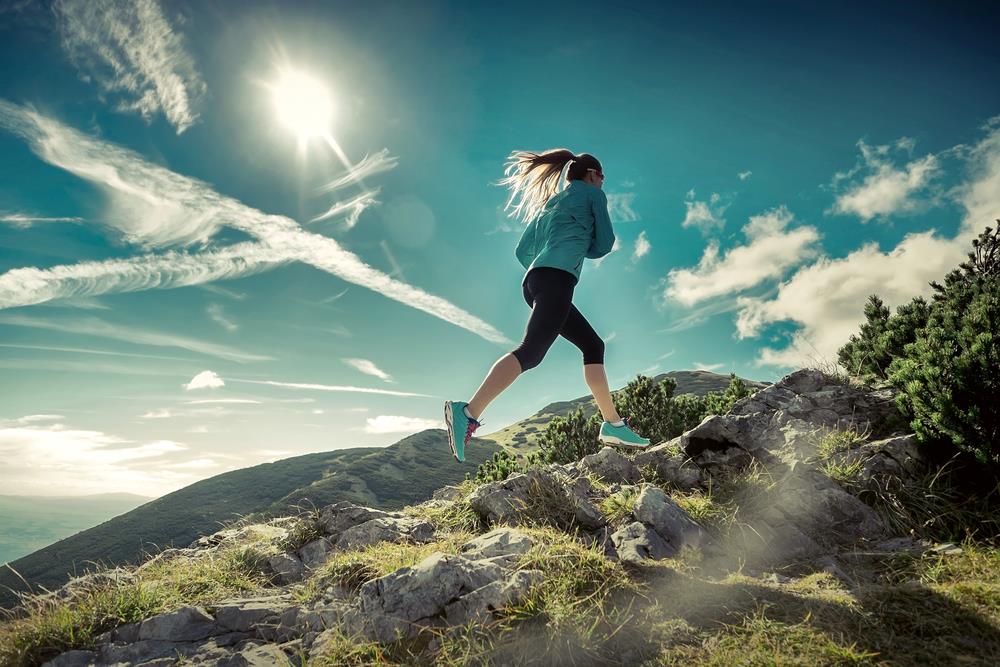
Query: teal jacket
[(572, 225)]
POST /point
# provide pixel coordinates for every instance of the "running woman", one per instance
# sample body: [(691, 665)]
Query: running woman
[(564, 227)]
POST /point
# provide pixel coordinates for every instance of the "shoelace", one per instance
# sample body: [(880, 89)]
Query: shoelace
[(470, 429)]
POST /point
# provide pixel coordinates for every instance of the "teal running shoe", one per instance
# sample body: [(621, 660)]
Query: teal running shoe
[(460, 427), (621, 436)]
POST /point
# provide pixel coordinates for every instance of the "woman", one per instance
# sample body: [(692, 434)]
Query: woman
[(564, 227)]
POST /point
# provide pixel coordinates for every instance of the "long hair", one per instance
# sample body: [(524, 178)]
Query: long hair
[(534, 177)]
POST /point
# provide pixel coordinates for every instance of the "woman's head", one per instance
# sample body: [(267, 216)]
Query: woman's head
[(535, 177)]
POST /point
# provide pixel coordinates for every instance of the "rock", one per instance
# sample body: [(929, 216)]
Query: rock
[(338, 517), (265, 655), (610, 466), (539, 493), (314, 554), (658, 511), (72, 659), (399, 603), (478, 605), (501, 541), (247, 616), (287, 568), (185, 624), (900, 456), (637, 542), (823, 510), (672, 469), (386, 529)]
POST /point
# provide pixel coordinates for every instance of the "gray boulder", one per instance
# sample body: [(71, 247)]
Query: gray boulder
[(673, 469), (610, 466), (658, 511), (636, 542), (185, 624), (386, 529)]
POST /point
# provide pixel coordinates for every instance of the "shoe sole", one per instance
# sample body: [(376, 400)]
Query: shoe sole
[(451, 430), (611, 440)]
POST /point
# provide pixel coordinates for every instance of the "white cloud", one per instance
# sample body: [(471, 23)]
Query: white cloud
[(698, 366), (368, 367), (93, 326), (397, 424), (24, 221), (130, 48), (610, 337), (744, 175), (205, 380), (30, 419), (56, 460), (885, 189), (156, 207), (223, 400), (642, 246), (368, 166), (354, 207), (162, 413), (620, 207), (215, 312), (771, 251), (827, 299), (706, 216), (328, 387)]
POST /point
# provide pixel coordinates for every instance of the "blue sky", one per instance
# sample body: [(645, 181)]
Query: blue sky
[(188, 286)]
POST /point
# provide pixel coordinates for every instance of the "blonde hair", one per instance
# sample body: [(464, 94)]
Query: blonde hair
[(534, 177)]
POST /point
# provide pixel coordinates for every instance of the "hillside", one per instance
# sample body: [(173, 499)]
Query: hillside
[(517, 438), (797, 529), (28, 523)]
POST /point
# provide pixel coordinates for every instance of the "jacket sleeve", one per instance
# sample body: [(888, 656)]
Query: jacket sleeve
[(604, 236), (525, 250)]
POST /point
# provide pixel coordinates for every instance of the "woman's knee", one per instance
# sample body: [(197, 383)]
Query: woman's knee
[(594, 353), (528, 358)]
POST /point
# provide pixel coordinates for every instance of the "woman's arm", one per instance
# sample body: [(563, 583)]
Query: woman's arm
[(604, 235), (525, 250)]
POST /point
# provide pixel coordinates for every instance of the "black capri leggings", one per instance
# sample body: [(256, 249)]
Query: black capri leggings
[(549, 292)]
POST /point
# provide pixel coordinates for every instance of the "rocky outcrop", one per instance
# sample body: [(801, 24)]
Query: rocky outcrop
[(788, 512)]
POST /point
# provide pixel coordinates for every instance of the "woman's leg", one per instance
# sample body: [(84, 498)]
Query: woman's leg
[(577, 330), (501, 376), (549, 292)]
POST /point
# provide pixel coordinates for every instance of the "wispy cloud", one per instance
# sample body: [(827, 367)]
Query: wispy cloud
[(368, 367), (642, 246), (620, 207), (83, 350), (368, 166), (704, 215), (24, 221), (826, 300), (222, 291), (129, 48), (354, 207), (698, 366), (223, 400), (328, 387), (30, 419), (215, 312), (398, 424), (93, 326), (744, 175), (205, 380), (885, 188), (771, 250), (156, 207)]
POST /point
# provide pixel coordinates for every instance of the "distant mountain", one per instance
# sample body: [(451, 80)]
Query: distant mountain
[(28, 523), (390, 477), (516, 438)]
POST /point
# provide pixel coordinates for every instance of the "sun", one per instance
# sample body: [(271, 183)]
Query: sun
[(302, 104)]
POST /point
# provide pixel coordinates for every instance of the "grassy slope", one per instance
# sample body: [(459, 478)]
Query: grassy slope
[(391, 477)]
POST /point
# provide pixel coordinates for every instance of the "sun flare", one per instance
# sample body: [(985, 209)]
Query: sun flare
[(303, 104)]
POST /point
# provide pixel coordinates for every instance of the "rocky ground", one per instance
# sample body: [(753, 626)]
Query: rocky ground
[(744, 512)]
